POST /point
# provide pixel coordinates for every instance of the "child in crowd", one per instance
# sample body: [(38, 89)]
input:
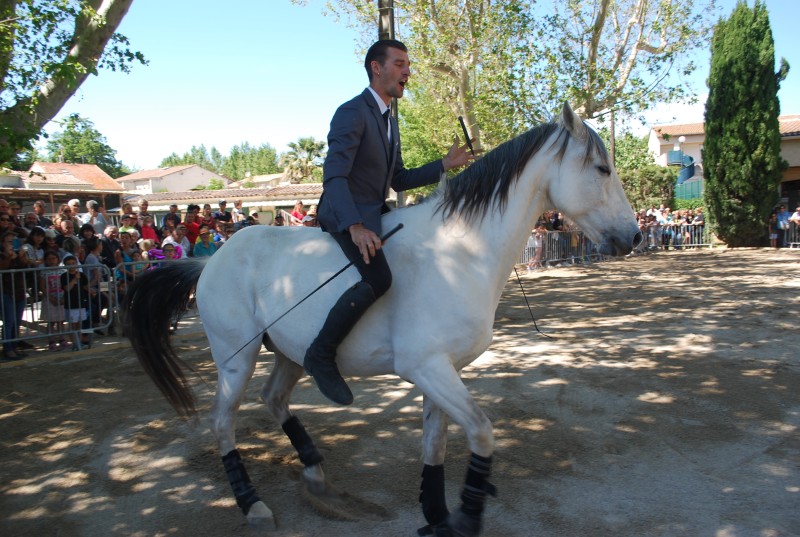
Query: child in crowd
[(76, 297), (53, 300)]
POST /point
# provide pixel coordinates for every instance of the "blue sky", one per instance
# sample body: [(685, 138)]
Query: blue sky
[(267, 71)]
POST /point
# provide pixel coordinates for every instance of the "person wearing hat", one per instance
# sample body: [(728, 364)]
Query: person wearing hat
[(128, 222), (364, 160), (222, 215)]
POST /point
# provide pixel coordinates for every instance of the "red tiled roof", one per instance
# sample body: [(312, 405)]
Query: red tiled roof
[(158, 172), (789, 126), (76, 174), (283, 192)]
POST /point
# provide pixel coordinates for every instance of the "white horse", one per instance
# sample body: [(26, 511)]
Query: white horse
[(457, 246)]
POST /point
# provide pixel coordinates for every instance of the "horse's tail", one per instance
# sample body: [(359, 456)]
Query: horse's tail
[(151, 303)]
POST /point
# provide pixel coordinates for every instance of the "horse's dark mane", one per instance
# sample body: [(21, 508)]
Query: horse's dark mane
[(486, 183)]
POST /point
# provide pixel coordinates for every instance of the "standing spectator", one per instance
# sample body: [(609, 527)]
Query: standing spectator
[(178, 238), (143, 206), (97, 300), (32, 252), (207, 219), (238, 213), (128, 223), (75, 212), (536, 242), (297, 214), (192, 228), (149, 232), (76, 298), (222, 215), (783, 225), (13, 295), (41, 218), (110, 245), (29, 222), (172, 218), (205, 247), (223, 234), (86, 232), (795, 218), (278, 220), (773, 228), (52, 300), (95, 217)]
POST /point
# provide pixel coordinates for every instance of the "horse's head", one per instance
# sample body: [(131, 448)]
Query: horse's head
[(588, 190)]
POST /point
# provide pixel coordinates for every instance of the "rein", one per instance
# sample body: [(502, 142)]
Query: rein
[(530, 310)]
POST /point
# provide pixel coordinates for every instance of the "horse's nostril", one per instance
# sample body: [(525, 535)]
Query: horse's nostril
[(637, 239)]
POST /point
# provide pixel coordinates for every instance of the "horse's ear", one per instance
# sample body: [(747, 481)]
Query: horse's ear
[(572, 122)]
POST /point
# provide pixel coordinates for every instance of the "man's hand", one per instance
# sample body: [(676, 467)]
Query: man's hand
[(367, 241), (457, 156)]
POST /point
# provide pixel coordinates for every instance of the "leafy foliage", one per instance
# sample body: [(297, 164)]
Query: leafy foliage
[(243, 159), (506, 65), (47, 50), (741, 155), (303, 158), (648, 185), (81, 143)]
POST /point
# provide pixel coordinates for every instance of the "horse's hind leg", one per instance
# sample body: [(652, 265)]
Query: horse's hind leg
[(434, 446), (232, 382), (275, 394)]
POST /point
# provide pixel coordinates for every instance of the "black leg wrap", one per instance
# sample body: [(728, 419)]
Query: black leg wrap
[(476, 485), (243, 489), (434, 504), (299, 438)]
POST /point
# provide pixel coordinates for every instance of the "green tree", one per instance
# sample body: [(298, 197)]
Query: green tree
[(198, 155), (741, 154), (244, 159), (81, 143), (304, 156), (505, 65), (47, 50), (648, 185)]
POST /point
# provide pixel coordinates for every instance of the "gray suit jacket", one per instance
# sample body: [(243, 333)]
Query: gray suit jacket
[(361, 166)]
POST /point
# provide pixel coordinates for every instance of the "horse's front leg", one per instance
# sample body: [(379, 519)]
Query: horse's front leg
[(231, 385), (440, 382), (434, 447)]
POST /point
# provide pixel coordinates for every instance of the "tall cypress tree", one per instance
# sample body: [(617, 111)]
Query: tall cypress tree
[(741, 155)]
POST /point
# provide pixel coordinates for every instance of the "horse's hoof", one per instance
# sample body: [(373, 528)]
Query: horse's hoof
[(260, 517), (459, 525)]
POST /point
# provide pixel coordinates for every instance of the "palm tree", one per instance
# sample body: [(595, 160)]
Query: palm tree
[(304, 156)]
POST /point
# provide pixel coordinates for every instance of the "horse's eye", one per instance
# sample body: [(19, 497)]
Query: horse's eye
[(605, 170)]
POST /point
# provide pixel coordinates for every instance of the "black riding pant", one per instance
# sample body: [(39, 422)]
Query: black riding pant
[(377, 274)]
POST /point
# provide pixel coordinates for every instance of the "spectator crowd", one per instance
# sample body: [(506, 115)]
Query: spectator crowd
[(77, 249)]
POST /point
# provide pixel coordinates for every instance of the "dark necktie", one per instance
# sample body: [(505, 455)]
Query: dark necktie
[(386, 122)]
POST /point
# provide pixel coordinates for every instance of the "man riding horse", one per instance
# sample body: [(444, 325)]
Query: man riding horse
[(364, 160)]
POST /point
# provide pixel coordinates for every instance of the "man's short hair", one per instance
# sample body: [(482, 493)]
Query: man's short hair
[(378, 52)]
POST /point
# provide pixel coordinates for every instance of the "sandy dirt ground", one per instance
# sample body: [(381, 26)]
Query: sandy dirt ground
[(664, 403)]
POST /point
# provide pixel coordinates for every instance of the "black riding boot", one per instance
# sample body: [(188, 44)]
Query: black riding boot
[(320, 359)]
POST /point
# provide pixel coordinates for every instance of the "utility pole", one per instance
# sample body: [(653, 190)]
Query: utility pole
[(386, 31)]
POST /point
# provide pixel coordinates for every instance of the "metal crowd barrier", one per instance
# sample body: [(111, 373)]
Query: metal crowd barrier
[(793, 236), (573, 247), (675, 237), (33, 307), (563, 247)]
